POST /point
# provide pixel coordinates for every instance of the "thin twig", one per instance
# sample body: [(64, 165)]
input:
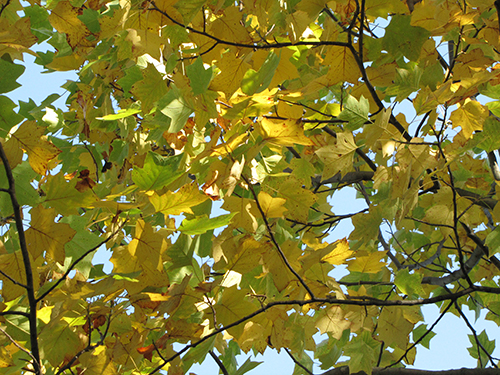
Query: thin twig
[(73, 265)]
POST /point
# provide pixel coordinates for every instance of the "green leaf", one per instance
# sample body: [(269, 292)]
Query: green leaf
[(247, 366), (39, 20), (132, 75), (489, 138), (407, 82), (202, 224), (409, 283), (174, 106), (158, 171), (122, 113), (199, 76), (419, 332), (477, 351), (9, 73), (8, 117), (255, 82), (90, 18), (401, 38), (493, 241), (356, 112), (363, 352)]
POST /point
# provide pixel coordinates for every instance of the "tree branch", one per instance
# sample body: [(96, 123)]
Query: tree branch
[(30, 285)]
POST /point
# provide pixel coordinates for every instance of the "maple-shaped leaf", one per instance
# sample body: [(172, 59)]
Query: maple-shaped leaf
[(157, 172), (16, 38), (98, 362), (147, 245), (284, 132), (403, 39), (244, 218), (271, 207), (64, 18), (232, 72), (409, 284), (9, 72), (356, 112), (151, 88), (393, 327), (273, 263), (64, 197), (40, 151), (342, 65), (470, 117), (333, 321), (370, 263), (179, 202), (338, 157), (233, 305), (339, 252), (298, 200), (13, 266), (45, 235), (199, 76), (59, 339), (363, 350)]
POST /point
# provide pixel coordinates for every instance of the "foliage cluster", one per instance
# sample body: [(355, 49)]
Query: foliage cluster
[(266, 109)]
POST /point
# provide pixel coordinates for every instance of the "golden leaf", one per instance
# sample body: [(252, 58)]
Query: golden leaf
[(339, 253), (45, 235), (40, 150), (179, 202), (284, 132)]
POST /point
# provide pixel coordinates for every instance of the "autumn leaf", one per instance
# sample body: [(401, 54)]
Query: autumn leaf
[(178, 202), (45, 235), (40, 151), (284, 132), (339, 252), (470, 117)]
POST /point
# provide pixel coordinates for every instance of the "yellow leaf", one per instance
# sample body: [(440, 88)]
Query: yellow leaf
[(229, 27), (339, 253), (298, 200), (45, 235), (98, 362), (297, 24), (16, 38), (244, 219), (232, 306), (343, 66), (333, 321), (273, 263), (232, 71), (284, 132), (64, 18), (370, 263), (148, 245), (469, 117), (40, 150), (272, 207), (232, 180), (338, 157), (179, 202), (13, 266)]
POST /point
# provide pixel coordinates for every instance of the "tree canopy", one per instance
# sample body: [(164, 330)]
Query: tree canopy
[(204, 145)]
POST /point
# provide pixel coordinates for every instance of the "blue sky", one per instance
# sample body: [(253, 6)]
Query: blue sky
[(448, 347)]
